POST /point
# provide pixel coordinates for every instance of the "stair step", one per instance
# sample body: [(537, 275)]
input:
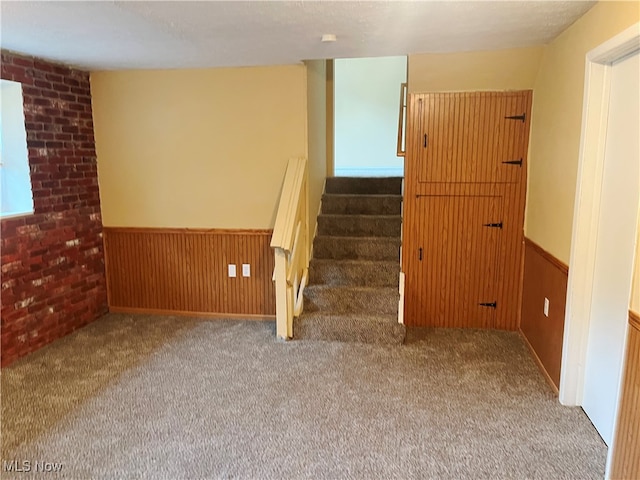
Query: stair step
[(360, 225), (375, 300), (362, 204), (372, 329), (365, 185), (356, 248), (354, 272)]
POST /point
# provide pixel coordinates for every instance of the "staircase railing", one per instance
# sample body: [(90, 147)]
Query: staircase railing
[(290, 241), (402, 120)]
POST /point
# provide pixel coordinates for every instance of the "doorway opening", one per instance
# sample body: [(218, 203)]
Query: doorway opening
[(604, 234), (366, 94)]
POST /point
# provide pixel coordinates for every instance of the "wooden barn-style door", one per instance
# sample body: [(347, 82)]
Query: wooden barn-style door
[(465, 180)]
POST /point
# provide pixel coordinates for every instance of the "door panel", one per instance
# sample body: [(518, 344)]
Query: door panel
[(455, 264), (466, 137), (613, 268), (467, 140)]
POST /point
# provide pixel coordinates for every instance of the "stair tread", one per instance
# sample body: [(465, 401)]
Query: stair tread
[(361, 204), (361, 225), (352, 298), (354, 261), (367, 215), (381, 273), (362, 288), (357, 248), (349, 328), (363, 317), (363, 195), (355, 237), (364, 185), (351, 315)]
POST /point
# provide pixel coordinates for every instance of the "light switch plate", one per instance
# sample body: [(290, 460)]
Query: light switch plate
[(246, 270), (232, 270)]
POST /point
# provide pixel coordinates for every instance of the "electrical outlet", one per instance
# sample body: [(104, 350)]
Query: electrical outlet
[(546, 307), (246, 270), (232, 270)]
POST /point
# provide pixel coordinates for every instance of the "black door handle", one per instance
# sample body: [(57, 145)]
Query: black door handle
[(420, 254), (489, 304), (426, 140)]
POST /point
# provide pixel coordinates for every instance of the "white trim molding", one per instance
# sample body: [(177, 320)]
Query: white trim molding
[(587, 208)]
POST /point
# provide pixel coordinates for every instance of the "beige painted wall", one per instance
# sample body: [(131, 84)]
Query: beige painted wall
[(512, 69), (634, 304), (557, 121), (201, 148), (317, 128), (330, 115)]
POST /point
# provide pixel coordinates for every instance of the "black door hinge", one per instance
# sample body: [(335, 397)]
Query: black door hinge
[(492, 304), (517, 117), (513, 162), (493, 225)]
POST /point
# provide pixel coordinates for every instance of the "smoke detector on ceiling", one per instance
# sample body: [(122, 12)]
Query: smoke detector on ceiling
[(328, 37)]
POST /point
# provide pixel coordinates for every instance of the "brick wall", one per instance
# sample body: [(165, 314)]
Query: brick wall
[(53, 277)]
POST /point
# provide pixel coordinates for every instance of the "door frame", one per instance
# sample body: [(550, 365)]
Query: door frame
[(597, 85), (597, 88)]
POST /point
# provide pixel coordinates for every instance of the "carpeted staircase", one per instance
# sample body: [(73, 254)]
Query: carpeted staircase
[(352, 294)]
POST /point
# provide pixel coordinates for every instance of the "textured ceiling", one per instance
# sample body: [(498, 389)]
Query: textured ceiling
[(122, 35)]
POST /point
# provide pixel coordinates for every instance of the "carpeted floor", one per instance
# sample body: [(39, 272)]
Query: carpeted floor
[(165, 397)]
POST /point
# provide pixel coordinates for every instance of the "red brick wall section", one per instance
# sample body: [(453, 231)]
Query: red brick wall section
[(53, 276)]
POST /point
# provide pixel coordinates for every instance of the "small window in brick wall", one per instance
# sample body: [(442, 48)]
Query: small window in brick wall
[(16, 197)]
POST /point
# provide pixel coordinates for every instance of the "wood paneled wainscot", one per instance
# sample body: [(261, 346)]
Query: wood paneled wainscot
[(544, 277), (626, 454), (185, 271)]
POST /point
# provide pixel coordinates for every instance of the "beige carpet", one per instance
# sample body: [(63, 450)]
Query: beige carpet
[(163, 397)]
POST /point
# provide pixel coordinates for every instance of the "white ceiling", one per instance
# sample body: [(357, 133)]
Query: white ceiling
[(173, 34)]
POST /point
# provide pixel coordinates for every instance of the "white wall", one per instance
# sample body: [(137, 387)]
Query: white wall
[(15, 184), (367, 100)]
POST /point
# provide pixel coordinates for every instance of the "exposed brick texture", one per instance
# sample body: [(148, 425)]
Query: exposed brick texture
[(53, 276)]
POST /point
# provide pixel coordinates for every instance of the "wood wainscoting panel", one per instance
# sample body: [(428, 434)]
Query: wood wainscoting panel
[(185, 270), (626, 453), (544, 277)]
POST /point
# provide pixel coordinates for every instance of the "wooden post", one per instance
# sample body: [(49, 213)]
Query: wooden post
[(282, 296), (289, 311)]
